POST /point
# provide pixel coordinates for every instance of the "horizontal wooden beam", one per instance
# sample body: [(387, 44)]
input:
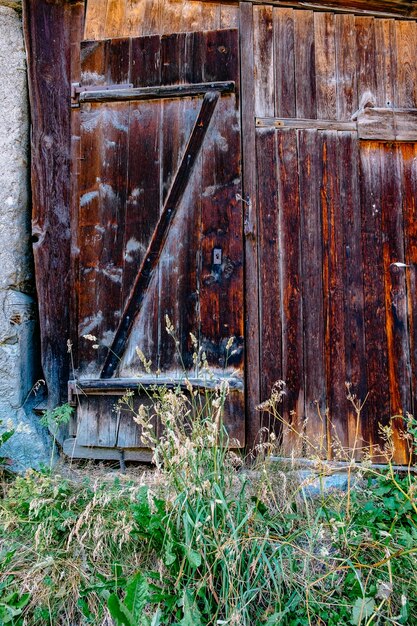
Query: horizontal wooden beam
[(371, 124), (404, 9), (74, 451), (152, 93), (301, 124), (387, 124), (119, 386)]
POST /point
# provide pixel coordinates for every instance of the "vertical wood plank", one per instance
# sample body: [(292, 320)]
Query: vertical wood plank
[(395, 294), (152, 23), (95, 22), (305, 67), (333, 285), (48, 29), (263, 61), (310, 171), (229, 16), (145, 62), (134, 18), (170, 17), (143, 188), (191, 17), (325, 62), (220, 60), (353, 282), (378, 401), (101, 225), (284, 62), (172, 59), (269, 265), (368, 86), (210, 16), (386, 59), (409, 153), (347, 86), (406, 64), (291, 289), (115, 18), (252, 364), (221, 228)]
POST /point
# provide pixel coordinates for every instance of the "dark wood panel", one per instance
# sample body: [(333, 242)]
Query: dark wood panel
[(378, 400), (103, 189), (291, 288), (51, 30), (334, 296), (143, 188), (269, 265), (310, 172), (409, 205), (395, 293), (152, 256), (251, 290), (222, 230), (350, 200), (145, 63), (178, 266)]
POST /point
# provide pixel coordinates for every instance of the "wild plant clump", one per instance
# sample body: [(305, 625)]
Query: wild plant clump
[(207, 539), (251, 546)]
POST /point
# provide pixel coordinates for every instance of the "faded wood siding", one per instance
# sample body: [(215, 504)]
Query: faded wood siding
[(134, 18), (332, 220)]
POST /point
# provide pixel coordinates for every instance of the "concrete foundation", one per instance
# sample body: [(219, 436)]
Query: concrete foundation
[(19, 350)]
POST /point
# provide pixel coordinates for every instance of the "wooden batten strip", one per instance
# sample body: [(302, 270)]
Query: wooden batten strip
[(395, 9), (161, 232), (151, 93), (118, 386), (371, 124), (301, 124)]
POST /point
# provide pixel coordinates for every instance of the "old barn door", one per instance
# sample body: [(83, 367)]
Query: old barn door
[(157, 226), (336, 164)]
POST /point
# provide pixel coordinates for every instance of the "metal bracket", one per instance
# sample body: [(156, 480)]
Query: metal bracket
[(77, 89)]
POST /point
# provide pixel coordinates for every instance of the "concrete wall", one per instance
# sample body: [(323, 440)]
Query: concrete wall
[(19, 351)]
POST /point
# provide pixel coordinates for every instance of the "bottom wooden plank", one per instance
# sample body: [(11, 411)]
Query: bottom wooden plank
[(75, 451)]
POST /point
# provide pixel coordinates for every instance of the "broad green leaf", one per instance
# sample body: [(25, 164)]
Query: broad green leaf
[(137, 595), (192, 616), (119, 612), (362, 610), (194, 558)]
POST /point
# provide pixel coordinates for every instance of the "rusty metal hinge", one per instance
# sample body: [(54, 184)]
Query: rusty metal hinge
[(77, 89)]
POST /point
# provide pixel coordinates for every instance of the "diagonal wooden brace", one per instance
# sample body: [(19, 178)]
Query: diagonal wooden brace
[(156, 245)]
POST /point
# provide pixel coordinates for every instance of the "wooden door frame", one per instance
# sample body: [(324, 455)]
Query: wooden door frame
[(52, 32)]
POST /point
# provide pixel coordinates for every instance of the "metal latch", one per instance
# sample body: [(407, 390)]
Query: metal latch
[(77, 89), (217, 256)]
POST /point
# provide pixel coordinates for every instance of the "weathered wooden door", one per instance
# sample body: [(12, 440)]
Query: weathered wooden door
[(156, 226), (336, 144)]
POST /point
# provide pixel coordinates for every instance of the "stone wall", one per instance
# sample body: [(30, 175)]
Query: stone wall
[(19, 351)]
